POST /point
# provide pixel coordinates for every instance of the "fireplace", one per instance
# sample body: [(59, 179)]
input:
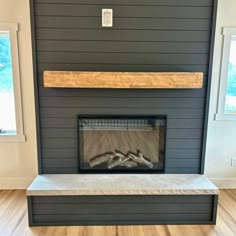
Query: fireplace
[(121, 144)]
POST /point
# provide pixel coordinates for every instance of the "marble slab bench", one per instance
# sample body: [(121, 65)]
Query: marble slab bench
[(117, 199)]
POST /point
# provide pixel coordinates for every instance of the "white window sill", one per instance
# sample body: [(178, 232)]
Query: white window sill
[(225, 117), (12, 138)]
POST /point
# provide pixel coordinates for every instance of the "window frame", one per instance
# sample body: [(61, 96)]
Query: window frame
[(13, 29), (228, 32)]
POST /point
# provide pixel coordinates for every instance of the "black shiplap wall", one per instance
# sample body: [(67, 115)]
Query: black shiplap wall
[(121, 210), (148, 35)]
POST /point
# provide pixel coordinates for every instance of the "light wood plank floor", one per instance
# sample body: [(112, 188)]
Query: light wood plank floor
[(13, 221)]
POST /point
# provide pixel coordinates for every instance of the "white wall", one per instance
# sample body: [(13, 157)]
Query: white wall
[(221, 141), (18, 161)]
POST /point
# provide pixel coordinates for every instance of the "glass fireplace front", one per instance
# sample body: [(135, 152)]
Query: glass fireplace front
[(121, 144)]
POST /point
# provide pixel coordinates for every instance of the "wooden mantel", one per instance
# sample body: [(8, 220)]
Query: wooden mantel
[(123, 80)]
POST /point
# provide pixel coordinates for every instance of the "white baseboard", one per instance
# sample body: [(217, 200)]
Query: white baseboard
[(224, 183), (15, 183)]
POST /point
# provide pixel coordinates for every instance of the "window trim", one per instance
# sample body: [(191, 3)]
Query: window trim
[(13, 28), (228, 32)]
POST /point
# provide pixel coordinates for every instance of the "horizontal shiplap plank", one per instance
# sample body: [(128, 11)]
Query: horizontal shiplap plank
[(205, 3), (71, 153), (123, 199), (183, 143), (185, 123), (59, 133), (80, 209), (183, 163), (64, 112), (123, 67), (121, 47), (184, 133), (112, 219), (183, 153), (120, 58), (59, 143), (152, 93), (58, 123), (123, 11), (124, 35), (183, 170), (61, 162), (59, 22), (122, 102), (60, 170)]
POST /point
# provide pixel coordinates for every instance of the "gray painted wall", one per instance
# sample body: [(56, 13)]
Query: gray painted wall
[(148, 35)]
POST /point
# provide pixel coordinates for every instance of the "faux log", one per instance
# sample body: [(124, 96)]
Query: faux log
[(129, 164), (140, 159), (120, 160), (124, 80), (97, 160), (129, 160), (117, 162)]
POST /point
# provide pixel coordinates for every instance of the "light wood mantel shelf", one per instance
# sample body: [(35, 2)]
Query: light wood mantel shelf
[(123, 80)]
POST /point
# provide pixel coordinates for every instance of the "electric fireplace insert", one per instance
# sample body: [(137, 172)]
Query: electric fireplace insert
[(121, 144)]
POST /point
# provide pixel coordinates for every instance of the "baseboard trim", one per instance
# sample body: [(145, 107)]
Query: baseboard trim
[(224, 183), (15, 183)]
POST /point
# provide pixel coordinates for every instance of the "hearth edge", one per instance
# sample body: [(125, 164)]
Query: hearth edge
[(121, 184)]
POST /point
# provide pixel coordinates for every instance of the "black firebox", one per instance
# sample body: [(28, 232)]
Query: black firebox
[(121, 144)]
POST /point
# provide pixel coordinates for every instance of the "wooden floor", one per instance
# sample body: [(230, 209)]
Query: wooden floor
[(13, 221)]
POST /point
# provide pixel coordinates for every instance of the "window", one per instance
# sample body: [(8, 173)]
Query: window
[(11, 125), (227, 92)]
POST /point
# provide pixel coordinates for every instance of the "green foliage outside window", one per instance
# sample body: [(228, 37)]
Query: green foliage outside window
[(231, 82), (6, 83)]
